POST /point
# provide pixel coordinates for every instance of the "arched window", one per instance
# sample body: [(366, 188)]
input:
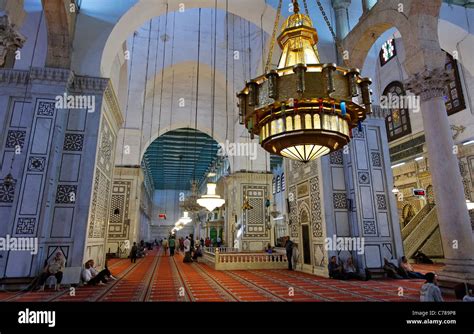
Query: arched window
[(397, 120), (274, 185), (283, 185), (388, 51), (454, 98), (278, 184)]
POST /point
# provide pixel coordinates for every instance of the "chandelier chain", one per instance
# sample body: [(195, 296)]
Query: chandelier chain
[(336, 40), (305, 4), (272, 41)]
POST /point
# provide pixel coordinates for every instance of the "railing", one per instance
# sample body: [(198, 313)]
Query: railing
[(212, 250), (231, 259), (420, 233), (413, 223)]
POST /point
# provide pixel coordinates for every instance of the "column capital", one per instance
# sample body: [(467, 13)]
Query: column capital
[(340, 4), (429, 84), (10, 38)]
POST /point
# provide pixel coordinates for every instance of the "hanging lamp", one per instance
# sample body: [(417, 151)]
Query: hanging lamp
[(185, 219), (211, 201), (303, 109)]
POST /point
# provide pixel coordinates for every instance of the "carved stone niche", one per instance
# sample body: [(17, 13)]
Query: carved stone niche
[(10, 41)]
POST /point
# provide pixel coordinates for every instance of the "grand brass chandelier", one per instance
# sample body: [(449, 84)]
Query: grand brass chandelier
[(303, 109)]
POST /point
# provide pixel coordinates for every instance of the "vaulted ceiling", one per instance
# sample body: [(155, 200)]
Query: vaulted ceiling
[(178, 156)]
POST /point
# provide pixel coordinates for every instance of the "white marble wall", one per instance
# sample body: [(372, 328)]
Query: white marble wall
[(63, 156)]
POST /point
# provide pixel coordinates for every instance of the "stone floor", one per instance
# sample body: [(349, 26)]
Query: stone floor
[(165, 278)]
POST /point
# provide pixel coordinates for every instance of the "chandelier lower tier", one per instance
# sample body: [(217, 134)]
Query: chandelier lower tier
[(303, 109)]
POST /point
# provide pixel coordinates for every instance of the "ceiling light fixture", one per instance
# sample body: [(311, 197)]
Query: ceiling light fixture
[(303, 109), (211, 201)]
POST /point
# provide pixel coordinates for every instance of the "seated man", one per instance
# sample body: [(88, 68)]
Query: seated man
[(91, 276), (408, 269), (106, 272), (335, 270), (350, 270), (391, 269), (54, 268)]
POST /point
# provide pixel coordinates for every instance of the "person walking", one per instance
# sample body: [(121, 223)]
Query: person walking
[(134, 253), (172, 245), (289, 252), (165, 247), (187, 251)]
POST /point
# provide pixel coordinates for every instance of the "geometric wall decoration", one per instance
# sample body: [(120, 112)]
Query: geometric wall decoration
[(15, 138), (26, 226), (99, 212), (255, 218), (381, 202), (335, 158), (339, 200), (7, 194), (66, 194), (121, 201), (369, 227), (46, 108), (364, 178), (317, 223), (73, 142), (36, 164), (376, 161)]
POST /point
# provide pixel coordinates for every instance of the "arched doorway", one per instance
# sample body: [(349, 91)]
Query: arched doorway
[(305, 236)]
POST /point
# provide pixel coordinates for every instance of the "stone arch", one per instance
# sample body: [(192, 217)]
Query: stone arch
[(60, 29), (455, 38), (415, 25), (304, 213), (188, 120), (144, 10)]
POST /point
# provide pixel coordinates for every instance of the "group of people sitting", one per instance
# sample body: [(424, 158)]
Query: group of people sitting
[(347, 270), (55, 267)]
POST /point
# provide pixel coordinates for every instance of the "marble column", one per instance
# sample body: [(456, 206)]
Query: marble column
[(342, 22), (10, 40), (453, 217)]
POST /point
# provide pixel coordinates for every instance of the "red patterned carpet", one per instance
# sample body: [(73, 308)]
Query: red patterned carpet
[(165, 278)]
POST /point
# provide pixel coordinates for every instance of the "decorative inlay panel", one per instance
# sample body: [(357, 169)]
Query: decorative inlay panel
[(369, 227), (15, 138), (316, 215), (25, 226), (73, 142), (335, 158), (98, 218), (121, 201), (339, 200), (376, 161), (46, 108), (7, 194), (66, 194), (255, 219), (364, 178), (381, 202), (36, 164), (358, 134)]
